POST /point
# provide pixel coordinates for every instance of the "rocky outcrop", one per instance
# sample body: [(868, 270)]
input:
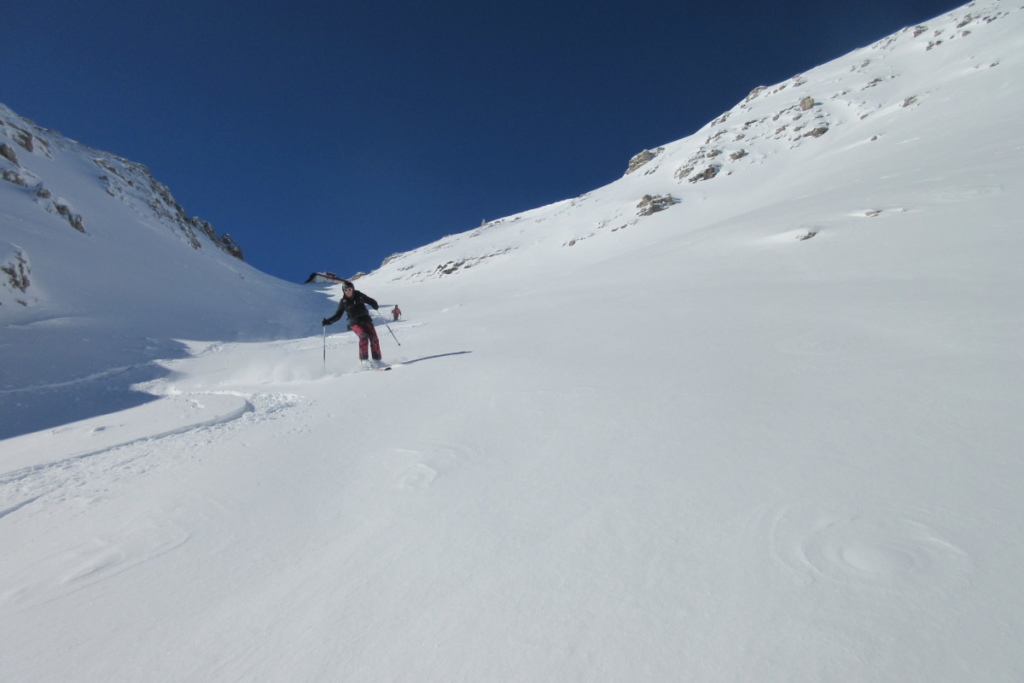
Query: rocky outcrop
[(62, 209), (642, 158), (7, 152), (15, 278), (15, 174), (652, 204), (134, 184), (229, 245), (19, 133)]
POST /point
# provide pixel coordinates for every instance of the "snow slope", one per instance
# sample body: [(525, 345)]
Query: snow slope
[(683, 446), (110, 274)]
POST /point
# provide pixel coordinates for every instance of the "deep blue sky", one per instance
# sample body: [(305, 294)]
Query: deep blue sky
[(330, 134)]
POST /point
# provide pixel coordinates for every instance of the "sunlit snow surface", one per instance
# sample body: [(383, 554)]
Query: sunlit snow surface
[(690, 446)]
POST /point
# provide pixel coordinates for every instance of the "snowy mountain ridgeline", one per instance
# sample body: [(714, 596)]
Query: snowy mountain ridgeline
[(920, 103), (748, 413), (39, 162), (100, 269)]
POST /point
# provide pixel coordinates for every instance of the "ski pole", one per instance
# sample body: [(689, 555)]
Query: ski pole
[(325, 348), (389, 328)]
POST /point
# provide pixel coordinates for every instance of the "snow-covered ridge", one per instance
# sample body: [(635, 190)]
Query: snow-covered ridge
[(101, 271), (29, 155), (881, 80), (860, 98)]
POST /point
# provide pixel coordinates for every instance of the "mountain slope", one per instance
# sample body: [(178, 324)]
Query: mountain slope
[(101, 272), (823, 132), (683, 446)]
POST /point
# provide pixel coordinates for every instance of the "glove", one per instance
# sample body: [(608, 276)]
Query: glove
[(324, 322), (376, 308)]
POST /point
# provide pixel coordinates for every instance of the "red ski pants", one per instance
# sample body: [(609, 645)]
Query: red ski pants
[(367, 334)]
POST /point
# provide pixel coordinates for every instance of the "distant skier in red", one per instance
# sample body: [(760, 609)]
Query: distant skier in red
[(353, 303), (395, 312)]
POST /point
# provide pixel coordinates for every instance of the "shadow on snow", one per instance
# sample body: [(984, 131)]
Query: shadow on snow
[(440, 355)]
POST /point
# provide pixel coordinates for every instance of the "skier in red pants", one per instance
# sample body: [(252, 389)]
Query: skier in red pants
[(353, 303)]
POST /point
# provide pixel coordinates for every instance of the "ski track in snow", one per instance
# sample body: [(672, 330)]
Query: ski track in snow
[(74, 474), (105, 374), (72, 485)]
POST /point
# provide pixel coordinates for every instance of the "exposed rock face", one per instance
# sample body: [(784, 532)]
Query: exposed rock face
[(229, 245), (7, 152), (15, 279), (642, 158), (64, 211), (653, 204)]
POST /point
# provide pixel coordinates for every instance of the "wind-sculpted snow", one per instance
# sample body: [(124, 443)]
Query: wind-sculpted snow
[(890, 551)]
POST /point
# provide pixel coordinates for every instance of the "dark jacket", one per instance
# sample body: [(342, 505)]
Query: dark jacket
[(355, 307)]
